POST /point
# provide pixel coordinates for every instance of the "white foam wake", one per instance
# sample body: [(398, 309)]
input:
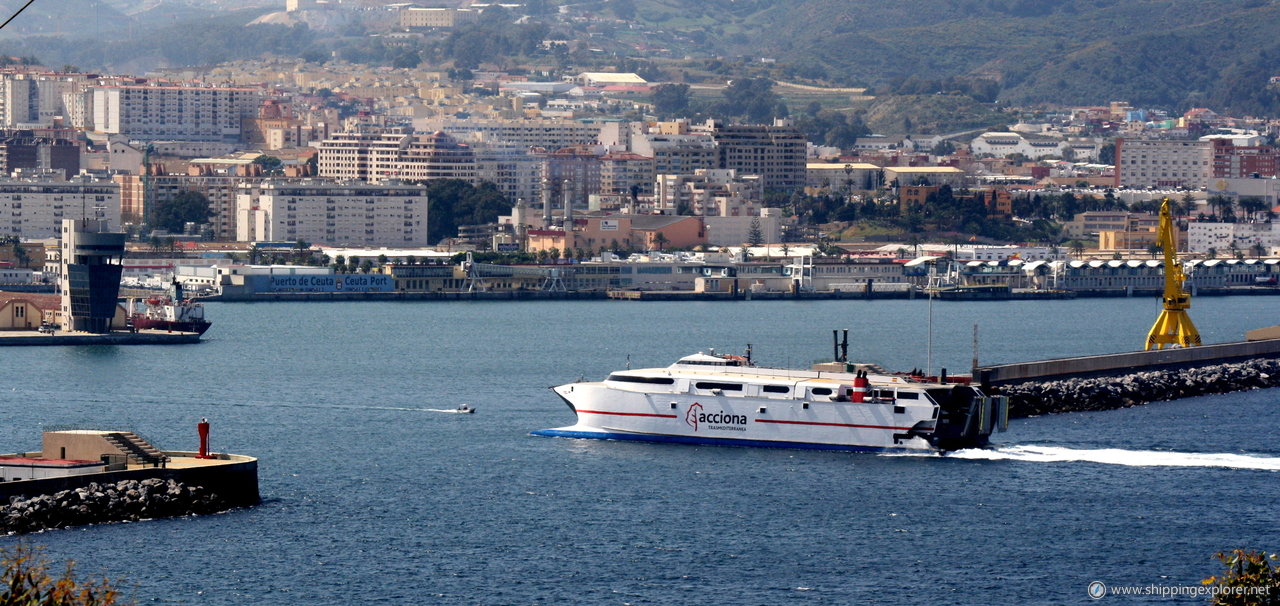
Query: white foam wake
[(1117, 456)]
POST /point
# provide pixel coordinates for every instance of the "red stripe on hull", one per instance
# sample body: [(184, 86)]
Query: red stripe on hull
[(833, 424), (625, 414)]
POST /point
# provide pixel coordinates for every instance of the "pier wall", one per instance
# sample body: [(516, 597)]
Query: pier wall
[(114, 338), (1126, 363), (235, 480)]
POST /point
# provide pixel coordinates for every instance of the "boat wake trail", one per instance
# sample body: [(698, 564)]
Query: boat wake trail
[(1117, 456)]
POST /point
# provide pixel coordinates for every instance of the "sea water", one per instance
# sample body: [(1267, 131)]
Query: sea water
[(370, 497)]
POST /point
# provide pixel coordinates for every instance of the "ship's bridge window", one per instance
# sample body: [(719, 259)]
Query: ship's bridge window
[(776, 389), (821, 391), (906, 395), (720, 386), (646, 380)]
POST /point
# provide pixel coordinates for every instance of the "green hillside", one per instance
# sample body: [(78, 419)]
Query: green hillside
[(1173, 53)]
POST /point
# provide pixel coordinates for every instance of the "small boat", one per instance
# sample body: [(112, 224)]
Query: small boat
[(463, 409)]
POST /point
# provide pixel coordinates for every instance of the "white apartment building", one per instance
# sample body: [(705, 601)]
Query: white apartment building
[(329, 213), (676, 154), (34, 100), (34, 207), (1163, 163), (1005, 144), (179, 113), (710, 193), (1225, 237), (548, 134), (378, 154), (516, 173)]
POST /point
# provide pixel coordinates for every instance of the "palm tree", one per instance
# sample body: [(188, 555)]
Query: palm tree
[(660, 241), (300, 251), (1077, 248), (1258, 250)]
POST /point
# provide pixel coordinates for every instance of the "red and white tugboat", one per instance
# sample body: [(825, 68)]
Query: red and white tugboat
[(172, 312)]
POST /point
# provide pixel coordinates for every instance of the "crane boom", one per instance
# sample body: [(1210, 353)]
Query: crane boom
[(1173, 327)]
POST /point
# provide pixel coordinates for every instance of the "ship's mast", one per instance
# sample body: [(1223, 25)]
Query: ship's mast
[(1174, 327)]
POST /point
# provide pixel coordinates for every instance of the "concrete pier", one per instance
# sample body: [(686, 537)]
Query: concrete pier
[(234, 478), (1126, 363), (119, 337)]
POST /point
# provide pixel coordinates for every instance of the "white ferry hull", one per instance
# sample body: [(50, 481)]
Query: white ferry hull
[(616, 414)]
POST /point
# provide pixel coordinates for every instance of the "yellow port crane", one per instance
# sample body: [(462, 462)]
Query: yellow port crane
[(1173, 328)]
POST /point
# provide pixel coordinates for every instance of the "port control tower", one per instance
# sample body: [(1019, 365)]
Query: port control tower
[(92, 259)]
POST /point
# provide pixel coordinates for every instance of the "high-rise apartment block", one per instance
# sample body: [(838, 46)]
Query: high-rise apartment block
[(177, 113), (775, 152), (137, 191), (34, 206), (1163, 163), (377, 154), (547, 134), (339, 214)]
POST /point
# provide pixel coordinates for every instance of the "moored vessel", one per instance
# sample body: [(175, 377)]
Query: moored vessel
[(727, 400), (171, 312)]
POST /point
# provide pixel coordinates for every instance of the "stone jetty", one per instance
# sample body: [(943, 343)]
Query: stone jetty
[(127, 500), (1107, 393)]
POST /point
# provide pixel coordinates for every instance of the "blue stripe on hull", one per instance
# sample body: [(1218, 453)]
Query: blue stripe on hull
[(604, 435)]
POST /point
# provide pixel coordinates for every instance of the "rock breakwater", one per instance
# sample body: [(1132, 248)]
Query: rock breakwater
[(95, 503), (1108, 393)]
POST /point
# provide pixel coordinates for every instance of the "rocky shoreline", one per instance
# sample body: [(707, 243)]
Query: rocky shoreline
[(1108, 393), (127, 500)]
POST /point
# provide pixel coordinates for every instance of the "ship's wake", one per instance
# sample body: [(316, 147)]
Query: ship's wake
[(1117, 456)]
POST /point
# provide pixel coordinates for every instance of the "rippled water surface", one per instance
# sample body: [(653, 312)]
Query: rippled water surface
[(370, 497)]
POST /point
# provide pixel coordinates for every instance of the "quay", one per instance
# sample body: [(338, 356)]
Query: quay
[(1126, 363), (115, 337)]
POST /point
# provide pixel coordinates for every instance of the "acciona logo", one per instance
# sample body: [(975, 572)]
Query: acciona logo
[(697, 417)]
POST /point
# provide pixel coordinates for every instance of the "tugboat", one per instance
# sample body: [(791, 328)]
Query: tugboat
[(172, 312)]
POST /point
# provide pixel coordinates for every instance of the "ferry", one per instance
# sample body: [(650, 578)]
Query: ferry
[(726, 400)]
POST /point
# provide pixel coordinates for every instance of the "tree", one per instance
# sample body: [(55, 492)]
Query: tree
[(173, 214), (1077, 248), (1251, 206), (271, 165), (20, 253), (671, 99), (26, 581), (660, 241), (1107, 154), (755, 236), (366, 266), (1254, 570), (301, 251)]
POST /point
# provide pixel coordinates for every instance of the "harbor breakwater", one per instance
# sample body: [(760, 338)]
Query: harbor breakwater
[(1034, 398), (124, 501)]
